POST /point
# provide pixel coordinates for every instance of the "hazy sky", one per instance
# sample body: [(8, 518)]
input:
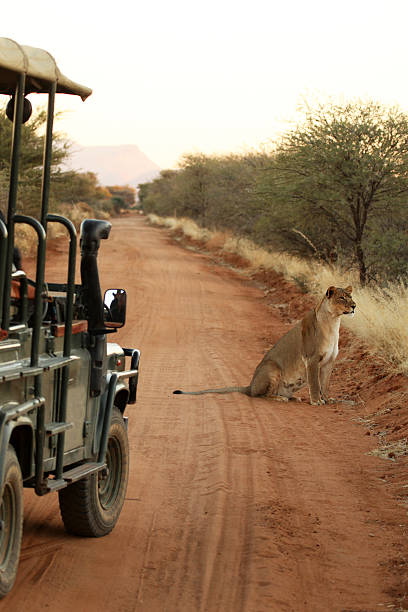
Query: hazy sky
[(214, 76)]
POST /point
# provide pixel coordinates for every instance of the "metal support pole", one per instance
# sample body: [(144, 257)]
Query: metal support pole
[(3, 255), (12, 200), (103, 444), (39, 283), (47, 157), (70, 279), (62, 413), (35, 344)]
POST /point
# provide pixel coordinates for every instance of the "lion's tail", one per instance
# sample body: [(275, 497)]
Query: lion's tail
[(245, 390)]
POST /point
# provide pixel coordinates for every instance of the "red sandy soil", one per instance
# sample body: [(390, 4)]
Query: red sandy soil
[(234, 503)]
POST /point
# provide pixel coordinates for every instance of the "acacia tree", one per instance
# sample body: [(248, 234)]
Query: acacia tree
[(343, 170), (159, 196), (126, 193), (231, 189), (194, 182), (215, 190)]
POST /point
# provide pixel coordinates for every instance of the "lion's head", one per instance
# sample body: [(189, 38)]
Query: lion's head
[(340, 301)]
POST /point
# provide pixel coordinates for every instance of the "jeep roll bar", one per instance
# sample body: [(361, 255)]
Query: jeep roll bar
[(25, 70)]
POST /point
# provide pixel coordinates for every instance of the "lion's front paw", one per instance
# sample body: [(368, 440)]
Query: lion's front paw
[(328, 400), (319, 402)]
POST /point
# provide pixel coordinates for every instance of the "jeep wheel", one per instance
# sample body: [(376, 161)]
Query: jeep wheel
[(91, 506), (11, 522)]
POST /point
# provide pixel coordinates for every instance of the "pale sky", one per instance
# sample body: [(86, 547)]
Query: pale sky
[(215, 76)]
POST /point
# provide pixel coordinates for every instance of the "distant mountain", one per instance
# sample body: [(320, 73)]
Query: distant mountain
[(114, 165)]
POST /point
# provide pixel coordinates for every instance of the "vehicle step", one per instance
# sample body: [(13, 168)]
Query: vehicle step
[(82, 470), (54, 484), (8, 374), (52, 429)]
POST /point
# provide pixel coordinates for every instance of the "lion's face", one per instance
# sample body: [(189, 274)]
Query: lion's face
[(340, 301)]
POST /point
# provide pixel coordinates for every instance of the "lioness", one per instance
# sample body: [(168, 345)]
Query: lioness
[(305, 354)]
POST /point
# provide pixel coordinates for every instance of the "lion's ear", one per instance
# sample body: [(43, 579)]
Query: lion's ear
[(330, 291), (349, 289)]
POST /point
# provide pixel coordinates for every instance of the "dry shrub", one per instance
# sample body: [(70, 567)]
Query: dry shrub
[(155, 219), (381, 318), (391, 450), (188, 227), (26, 237), (80, 211), (218, 240)]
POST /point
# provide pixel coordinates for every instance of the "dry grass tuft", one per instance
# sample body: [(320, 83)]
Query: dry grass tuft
[(391, 450), (381, 319), (188, 227), (80, 211), (26, 238)]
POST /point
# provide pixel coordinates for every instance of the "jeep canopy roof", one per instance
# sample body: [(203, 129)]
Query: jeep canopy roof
[(39, 67)]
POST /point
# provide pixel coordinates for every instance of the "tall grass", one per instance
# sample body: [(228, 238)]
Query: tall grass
[(381, 318)]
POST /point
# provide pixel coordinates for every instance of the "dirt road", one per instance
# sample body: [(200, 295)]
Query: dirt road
[(234, 504)]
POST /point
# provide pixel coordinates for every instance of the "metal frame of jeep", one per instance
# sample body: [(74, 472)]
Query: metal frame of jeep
[(60, 380)]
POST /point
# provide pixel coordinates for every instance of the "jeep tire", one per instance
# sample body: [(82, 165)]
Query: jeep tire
[(11, 521), (91, 506)]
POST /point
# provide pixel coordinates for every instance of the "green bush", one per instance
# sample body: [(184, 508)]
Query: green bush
[(333, 188)]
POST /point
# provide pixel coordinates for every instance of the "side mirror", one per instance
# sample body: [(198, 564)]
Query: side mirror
[(114, 308)]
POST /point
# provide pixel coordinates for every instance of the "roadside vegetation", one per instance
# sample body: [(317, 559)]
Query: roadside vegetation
[(76, 195), (381, 318), (326, 204), (332, 189)]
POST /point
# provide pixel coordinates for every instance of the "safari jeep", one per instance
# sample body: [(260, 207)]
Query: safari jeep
[(63, 387)]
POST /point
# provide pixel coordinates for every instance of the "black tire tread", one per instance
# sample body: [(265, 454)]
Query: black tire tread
[(12, 467), (76, 502)]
